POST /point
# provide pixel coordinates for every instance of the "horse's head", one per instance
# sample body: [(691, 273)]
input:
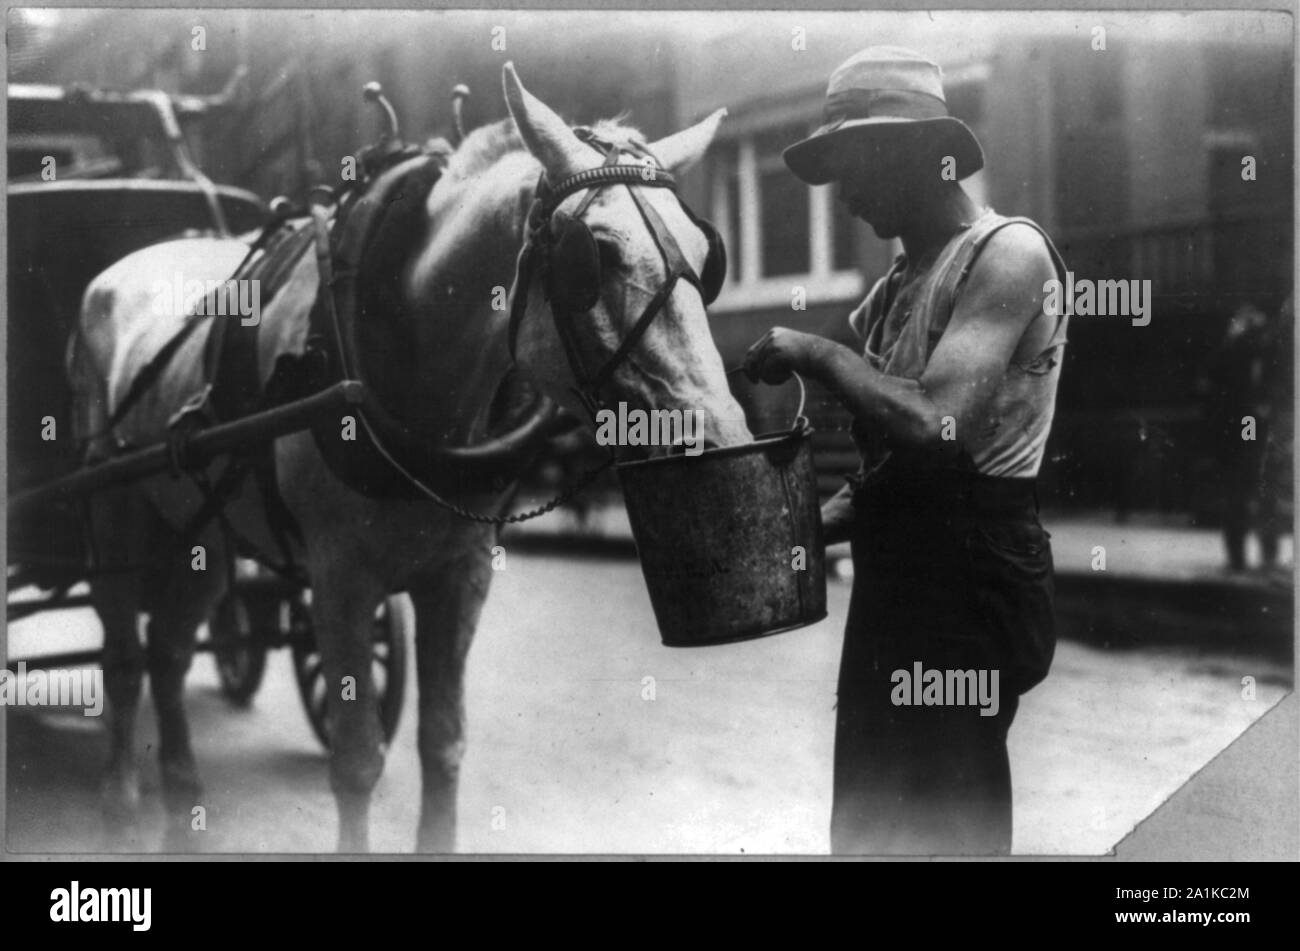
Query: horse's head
[(610, 303)]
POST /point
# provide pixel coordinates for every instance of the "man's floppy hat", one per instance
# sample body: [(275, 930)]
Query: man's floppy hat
[(877, 92)]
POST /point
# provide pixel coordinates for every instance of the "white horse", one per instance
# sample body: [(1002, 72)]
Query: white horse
[(357, 549)]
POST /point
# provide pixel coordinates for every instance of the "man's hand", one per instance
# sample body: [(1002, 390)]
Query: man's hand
[(781, 351), (838, 516)]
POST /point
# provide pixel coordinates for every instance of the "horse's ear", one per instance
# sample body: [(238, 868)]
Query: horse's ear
[(546, 135), (681, 150)]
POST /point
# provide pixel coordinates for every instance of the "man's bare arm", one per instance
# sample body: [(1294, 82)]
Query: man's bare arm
[(1003, 294)]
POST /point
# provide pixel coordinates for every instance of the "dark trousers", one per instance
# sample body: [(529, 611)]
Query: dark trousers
[(954, 572), (921, 780), (1250, 502)]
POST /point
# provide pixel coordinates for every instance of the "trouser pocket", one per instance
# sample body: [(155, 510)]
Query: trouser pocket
[(1013, 590)]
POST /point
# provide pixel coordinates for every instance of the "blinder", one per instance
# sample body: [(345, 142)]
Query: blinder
[(715, 265), (573, 276), (573, 271)]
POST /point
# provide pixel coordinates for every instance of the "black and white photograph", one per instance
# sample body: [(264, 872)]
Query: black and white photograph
[(649, 432)]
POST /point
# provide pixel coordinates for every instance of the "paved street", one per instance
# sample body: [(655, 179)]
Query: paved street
[(732, 754)]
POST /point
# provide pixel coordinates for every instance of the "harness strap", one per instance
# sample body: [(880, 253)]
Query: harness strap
[(215, 499), (149, 375), (271, 236), (279, 519), (215, 496), (586, 390), (625, 348), (678, 268), (611, 172)]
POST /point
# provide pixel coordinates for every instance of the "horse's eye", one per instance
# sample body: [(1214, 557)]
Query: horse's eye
[(611, 256)]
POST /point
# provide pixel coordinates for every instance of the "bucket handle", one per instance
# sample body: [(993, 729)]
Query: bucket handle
[(800, 420)]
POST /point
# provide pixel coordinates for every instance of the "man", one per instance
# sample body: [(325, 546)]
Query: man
[(952, 400)]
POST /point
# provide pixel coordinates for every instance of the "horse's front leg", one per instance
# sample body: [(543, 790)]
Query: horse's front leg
[(447, 607), (352, 564), (344, 599)]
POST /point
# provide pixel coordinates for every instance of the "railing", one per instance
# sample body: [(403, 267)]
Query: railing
[(1243, 253)]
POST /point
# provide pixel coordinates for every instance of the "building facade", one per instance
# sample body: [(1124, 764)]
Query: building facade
[(1132, 153)]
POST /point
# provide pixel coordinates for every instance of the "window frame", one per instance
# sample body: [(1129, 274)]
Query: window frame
[(822, 283)]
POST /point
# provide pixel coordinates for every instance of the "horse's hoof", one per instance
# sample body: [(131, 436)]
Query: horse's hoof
[(121, 829), (181, 839), (353, 844), (123, 838), (183, 795), (436, 842), (119, 797)]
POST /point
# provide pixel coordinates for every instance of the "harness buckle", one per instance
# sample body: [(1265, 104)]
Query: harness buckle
[(183, 424)]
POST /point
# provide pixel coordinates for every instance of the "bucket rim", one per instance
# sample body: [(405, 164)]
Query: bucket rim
[(748, 634), (762, 442)]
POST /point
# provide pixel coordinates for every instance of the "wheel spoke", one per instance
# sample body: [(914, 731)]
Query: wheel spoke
[(308, 667), (386, 667)]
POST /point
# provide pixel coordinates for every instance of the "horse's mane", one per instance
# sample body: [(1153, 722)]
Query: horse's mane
[(489, 144)]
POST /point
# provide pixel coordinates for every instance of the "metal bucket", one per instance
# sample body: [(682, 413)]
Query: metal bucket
[(719, 535)]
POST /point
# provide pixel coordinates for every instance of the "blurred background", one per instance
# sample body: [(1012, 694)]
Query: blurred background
[(1130, 157)]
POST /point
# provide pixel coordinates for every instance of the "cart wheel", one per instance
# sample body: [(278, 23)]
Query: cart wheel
[(239, 652), (388, 666)]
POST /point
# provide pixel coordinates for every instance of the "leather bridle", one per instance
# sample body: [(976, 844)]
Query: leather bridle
[(540, 243)]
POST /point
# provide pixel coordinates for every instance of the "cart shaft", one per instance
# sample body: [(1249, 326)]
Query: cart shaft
[(202, 447)]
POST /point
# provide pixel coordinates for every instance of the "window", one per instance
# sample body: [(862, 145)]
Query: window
[(783, 206), (779, 232), (1091, 155), (966, 99), (1249, 112)]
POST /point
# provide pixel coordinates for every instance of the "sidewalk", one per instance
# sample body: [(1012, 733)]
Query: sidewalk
[(1167, 583), (1139, 550), (1153, 551)]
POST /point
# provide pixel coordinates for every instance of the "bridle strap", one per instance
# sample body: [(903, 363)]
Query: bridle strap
[(585, 392), (678, 268), (612, 172)]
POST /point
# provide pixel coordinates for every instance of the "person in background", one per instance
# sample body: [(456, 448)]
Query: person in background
[(1279, 471), (1238, 387), (952, 396)]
